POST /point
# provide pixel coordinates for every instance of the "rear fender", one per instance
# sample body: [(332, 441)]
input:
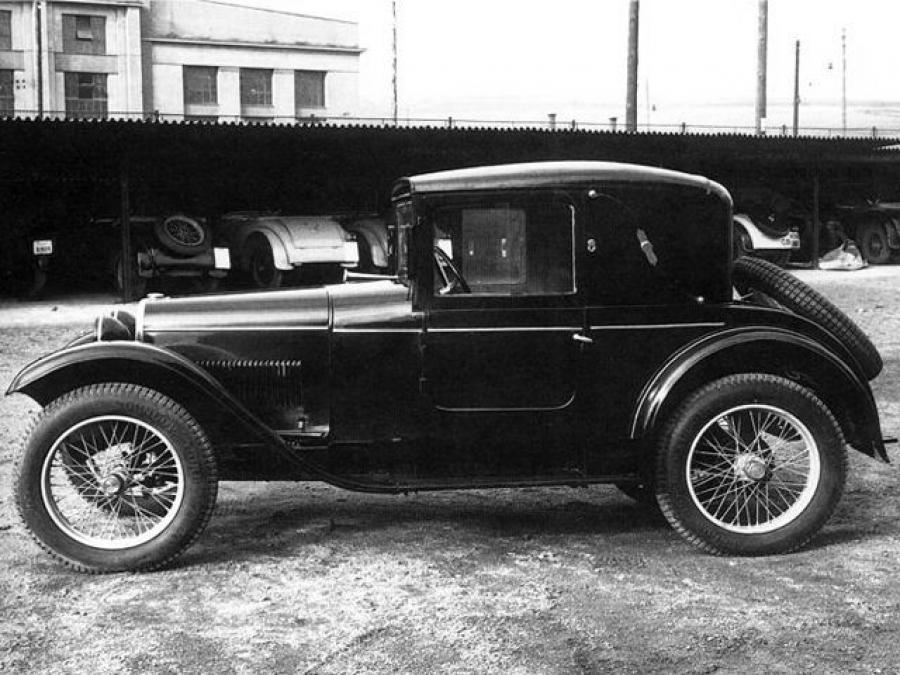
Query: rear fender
[(769, 350)]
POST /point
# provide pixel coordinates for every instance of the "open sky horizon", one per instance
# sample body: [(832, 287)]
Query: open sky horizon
[(522, 60)]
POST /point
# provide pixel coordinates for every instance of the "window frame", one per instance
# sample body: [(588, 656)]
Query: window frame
[(5, 30), (72, 36), (299, 106), (246, 72), (206, 70), (428, 204), (10, 109), (78, 114)]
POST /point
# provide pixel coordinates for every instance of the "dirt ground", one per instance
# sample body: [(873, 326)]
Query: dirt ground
[(309, 578)]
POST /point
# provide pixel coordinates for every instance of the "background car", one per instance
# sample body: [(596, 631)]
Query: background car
[(177, 247), (269, 248), (768, 241)]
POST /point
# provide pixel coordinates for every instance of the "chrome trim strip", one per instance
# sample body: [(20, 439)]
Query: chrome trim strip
[(508, 329), (494, 410), (378, 330), (642, 326), (233, 329)]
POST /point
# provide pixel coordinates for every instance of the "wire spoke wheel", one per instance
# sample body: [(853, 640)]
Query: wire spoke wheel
[(750, 464), (753, 469), (112, 482), (115, 477)]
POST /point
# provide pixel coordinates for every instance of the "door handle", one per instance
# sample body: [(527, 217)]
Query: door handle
[(583, 339)]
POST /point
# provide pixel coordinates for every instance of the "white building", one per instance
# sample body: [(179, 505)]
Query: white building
[(174, 59)]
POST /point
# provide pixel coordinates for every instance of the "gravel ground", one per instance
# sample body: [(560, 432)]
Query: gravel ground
[(308, 578)]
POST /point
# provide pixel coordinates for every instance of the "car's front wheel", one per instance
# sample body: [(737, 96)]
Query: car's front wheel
[(750, 464), (115, 477)]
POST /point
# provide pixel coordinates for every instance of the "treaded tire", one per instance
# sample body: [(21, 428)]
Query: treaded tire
[(182, 235), (34, 490), (693, 510), (873, 243), (261, 263), (804, 301)]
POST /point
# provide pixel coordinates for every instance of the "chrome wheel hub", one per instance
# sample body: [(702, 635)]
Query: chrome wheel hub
[(750, 468)]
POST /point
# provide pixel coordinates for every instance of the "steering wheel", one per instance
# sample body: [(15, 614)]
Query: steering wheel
[(453, 279)]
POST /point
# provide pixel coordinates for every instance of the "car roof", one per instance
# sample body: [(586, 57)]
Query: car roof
[(545, 174)]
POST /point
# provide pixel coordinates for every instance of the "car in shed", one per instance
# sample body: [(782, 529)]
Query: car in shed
[(559, 323)]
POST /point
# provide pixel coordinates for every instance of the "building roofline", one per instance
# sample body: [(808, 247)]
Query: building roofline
[(272, 10), (255, 45)]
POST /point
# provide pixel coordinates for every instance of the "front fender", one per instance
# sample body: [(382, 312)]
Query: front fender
[(845, 392), (136, 362)]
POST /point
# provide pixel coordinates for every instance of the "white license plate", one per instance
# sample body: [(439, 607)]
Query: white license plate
[(222, 258), (42, 246)]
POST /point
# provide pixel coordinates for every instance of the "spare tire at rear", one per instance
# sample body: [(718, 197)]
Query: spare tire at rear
[(795, 296)]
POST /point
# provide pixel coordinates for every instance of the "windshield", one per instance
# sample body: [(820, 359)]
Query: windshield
[(400, 226)]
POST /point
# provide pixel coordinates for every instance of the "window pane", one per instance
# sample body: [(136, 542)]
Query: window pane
[(309, 89), (86, 95), (505, 248), (256, 86), (84, 34), (7, 98), (200, 85), (5, 30)]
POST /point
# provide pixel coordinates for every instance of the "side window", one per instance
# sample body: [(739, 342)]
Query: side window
[(654, 245), (504, 247)]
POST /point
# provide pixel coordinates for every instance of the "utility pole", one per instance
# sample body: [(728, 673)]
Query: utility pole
[(37, 21), (632, 86), (844, 80), (797, 88), (394, 58), (763, 30)]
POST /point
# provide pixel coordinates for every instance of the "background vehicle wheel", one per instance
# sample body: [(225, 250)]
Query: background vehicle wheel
[(138, 283), (751, 465), (261, 261), (795, 296), (182, 235), (873, 243), (115, 477)]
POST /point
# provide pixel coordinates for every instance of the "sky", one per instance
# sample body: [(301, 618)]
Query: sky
[(525, 59)]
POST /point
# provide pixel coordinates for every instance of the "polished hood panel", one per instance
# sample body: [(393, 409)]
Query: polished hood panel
[(372, 305), (299, 309)]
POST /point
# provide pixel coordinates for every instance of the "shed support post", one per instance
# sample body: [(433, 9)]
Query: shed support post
[(127, 261), (817, 224)]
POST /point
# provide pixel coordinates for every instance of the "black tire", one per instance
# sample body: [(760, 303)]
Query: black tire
[(138, 283), (873, 243), (261, 263), (182, 235), (795, 296), (766, 496), (126, 447)]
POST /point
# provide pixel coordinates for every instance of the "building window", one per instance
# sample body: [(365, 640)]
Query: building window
[(6, 30), (86, 95), (200, 85), (83, 34), (256, 86), (309, 89), (7, 98)]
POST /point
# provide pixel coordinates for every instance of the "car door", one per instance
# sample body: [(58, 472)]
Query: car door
[(500, 365)]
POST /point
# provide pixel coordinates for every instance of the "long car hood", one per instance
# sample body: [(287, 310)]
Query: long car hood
[(366, 305)]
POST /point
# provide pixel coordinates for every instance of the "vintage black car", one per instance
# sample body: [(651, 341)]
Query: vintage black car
[(565, 323)]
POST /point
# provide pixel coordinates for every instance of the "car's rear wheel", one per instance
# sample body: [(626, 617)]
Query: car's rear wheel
[(750, 464), (115, 477), (182, 235)]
